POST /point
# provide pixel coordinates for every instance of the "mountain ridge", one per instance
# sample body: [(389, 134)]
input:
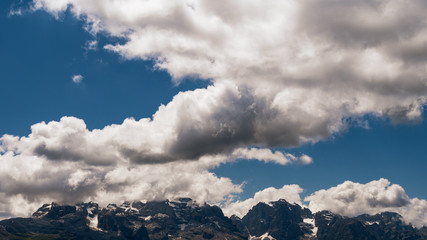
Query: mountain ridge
[(183, 218)]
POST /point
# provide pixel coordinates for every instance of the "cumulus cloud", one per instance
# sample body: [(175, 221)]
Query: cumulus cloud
[(77, 78), (347, 199), (299, 69), (193, 125), (282, 73), (267, 155), (352, 199), (290, 193), (63, 161), (33, 180)]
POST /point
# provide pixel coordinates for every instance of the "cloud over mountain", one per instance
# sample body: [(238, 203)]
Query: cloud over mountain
[(282, 73), (65, 162), (347, 199), (290, 193), (352, 199)]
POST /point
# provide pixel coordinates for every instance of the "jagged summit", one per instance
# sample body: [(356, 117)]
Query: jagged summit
[(180, 218), (184, 218)]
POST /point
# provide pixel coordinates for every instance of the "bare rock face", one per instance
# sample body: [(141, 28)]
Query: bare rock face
[(385, 226), (178, 219), (185, 219), (281, 220)]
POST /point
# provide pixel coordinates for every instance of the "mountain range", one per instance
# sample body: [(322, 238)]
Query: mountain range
[(185, 219)]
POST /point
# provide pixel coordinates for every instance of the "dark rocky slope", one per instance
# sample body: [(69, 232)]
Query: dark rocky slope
[(184, 219)]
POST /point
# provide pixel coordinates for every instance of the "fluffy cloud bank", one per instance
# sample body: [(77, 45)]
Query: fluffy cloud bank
[(26, 182), (65, 162), (203, 122), (283, 73), (352, 199), (347, 199), (290, 193)]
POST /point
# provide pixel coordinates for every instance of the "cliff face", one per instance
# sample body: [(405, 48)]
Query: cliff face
[(184, 219)]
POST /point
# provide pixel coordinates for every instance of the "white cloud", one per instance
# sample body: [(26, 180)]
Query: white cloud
[(176, 132), (31, 181), (91, 45), (290, 193), (352, 199), (18, 8), (77, 78), (283, 73), (267, 155), (65, 162), (299, 70), (15, 12), (347, 199)]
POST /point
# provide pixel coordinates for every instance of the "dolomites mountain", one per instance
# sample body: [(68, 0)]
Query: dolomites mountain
[(185, 219)]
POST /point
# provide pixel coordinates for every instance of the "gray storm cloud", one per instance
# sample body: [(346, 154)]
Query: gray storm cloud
[(283, 73)]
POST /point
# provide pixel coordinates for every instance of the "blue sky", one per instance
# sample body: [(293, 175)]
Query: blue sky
[(360, 155), (40, 54)]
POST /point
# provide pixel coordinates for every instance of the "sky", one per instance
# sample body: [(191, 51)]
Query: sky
[(321, 103)]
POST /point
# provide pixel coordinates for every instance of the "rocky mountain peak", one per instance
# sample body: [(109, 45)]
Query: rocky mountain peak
[(184, 218)]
